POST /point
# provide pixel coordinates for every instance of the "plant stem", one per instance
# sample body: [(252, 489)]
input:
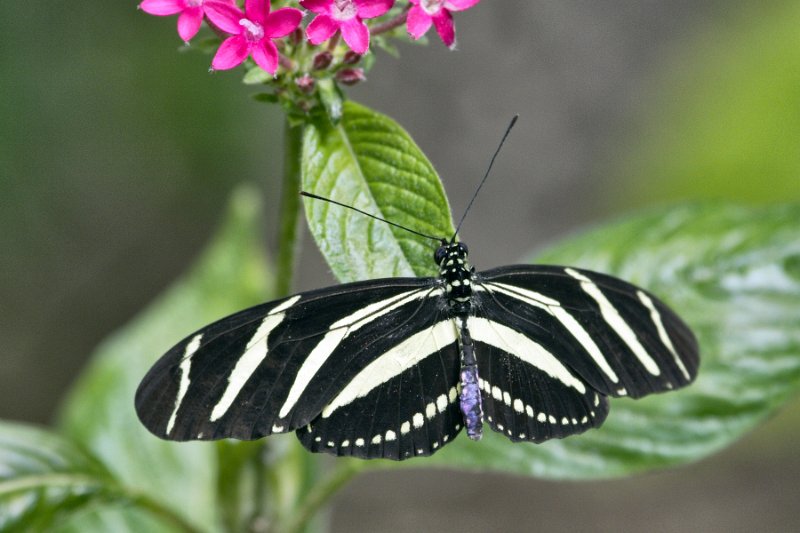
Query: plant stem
[(322, 491), (166, 514), (288, 243), (391, 24)]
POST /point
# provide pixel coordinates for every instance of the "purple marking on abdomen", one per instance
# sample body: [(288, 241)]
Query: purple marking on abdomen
[(470, 402)]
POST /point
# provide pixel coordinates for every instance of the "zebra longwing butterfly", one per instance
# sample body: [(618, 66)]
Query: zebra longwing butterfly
[(396, 368)]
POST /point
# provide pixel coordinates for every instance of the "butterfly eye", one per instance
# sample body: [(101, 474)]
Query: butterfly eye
[(439, 255), (463, 248)]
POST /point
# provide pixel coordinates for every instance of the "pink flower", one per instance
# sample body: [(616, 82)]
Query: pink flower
[(251, 32), (189, 20), (344, 15), (436, 12)]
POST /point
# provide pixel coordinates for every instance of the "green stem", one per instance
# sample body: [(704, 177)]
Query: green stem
[(322, 491), (288, 242), (166, 514)]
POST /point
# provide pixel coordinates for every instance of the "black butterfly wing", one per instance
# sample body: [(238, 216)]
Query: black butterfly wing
[(401, 405), (527, 393), (618, 338), (275, 367)]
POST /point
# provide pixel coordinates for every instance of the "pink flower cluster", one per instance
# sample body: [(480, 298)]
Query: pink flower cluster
[(251, 32)]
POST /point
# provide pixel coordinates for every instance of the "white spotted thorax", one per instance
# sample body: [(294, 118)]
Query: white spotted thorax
[(457, 275)]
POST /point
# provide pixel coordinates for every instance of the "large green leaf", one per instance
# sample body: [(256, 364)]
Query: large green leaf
[(733, 274), (44, 478), (368, 161), (99, 413), (48, 483)]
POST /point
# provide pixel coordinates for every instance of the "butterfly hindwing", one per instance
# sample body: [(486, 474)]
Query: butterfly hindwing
[(528, 394), (403, 404), (274, 367), (617, 337)]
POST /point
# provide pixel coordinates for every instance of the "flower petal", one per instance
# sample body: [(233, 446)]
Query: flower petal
[(224, 16), (459, 5), (232, 52), (282, 22), (189, 22), (418, 22), (322, 7), (256, 10), (443, 22), (321, 29), (356, 35), (162, 8), (368, 9), (265, 55)]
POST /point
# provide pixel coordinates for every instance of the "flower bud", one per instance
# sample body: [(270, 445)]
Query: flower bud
[(350, 76), (351, 58), (305, 83), (322, 60)]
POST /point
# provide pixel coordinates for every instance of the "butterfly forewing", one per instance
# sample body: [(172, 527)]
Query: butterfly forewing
[(272, 368), (620, 339)]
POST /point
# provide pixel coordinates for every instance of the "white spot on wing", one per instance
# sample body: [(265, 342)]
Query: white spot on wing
[(518, 405), (430, 410), (405, 427), (441, 403), (418, 420)]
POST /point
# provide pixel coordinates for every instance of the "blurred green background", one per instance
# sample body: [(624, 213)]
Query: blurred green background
[(118, 149)]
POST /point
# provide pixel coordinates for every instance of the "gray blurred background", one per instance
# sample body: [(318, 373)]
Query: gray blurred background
[(117, 152)]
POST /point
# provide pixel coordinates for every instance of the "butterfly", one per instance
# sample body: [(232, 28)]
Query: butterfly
[(396, 368)]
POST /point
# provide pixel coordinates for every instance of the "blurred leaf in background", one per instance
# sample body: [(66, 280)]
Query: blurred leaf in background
[(725, 118)]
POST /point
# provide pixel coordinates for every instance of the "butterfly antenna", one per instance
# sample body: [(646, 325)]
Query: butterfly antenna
[(370, 215), (488, 170)]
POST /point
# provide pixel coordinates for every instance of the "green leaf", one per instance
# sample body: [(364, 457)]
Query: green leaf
[(48, 483), (733, 273), (257, 76), (99, 413), (368, 161), (43, 478)]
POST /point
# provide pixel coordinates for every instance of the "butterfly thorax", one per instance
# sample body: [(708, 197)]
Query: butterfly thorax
[(457, 276)]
